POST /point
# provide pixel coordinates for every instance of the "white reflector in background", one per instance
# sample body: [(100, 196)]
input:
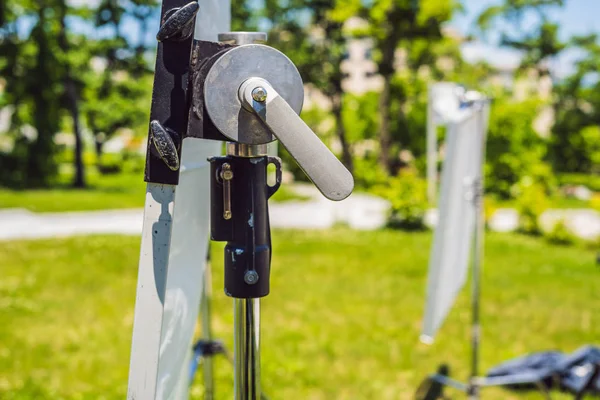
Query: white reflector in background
[(443, 103), (449, 260)]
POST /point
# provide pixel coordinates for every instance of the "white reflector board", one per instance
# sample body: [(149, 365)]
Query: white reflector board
[(443, 102), (449, 260), (172, 260), (189, 240)]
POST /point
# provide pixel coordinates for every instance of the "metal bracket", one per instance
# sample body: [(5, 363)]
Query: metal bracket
[(209, 348), (169, 97)]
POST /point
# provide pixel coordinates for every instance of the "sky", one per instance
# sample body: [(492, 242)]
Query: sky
[(577, 17)]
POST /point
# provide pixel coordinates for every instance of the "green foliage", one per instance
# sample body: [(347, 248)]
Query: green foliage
[(595, 202), (413, 26), (130, 163), (52, 79), (560, 235), (285, 193), (109, 108), (407, 193), (110, 164), (368, 173), (515, 152), (32, 66), (528, 30), (103, 192), (575, 135), (532, 201), (360, 116), (574, 179), (409, 105), (309, 33), (576, 150)]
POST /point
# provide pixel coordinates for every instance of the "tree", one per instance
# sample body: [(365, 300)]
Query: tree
[(311, 34), (538, 45), (243, 16), (72, 88), (125, 74), (575, 140), (31, 65), (395, 24), (515, 153)]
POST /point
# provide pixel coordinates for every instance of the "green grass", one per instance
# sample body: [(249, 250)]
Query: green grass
[(554, 202), (104, 192), (342, 320)]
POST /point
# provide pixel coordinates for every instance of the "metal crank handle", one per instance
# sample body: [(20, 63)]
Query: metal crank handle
[(323, 168)]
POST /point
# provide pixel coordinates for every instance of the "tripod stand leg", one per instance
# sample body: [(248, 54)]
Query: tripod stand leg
[(246, 322), (205, 312)]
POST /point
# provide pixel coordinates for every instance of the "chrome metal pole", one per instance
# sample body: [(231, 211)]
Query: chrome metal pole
[(476, 286), (246, 349), (478, 245), (207, 336)]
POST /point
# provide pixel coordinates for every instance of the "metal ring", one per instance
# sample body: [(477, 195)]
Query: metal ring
[(230, 71)]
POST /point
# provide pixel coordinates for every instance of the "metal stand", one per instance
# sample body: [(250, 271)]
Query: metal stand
[(207, 336), (472, 388), (247, 95), (246, 345), (251, 105), (432, 387), (476, 286), (239, 194)]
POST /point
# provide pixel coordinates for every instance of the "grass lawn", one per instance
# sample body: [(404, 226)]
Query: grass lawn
[(555, 202), (342, 321), (104, 192)]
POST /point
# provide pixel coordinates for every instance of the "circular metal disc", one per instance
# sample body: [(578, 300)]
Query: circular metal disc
[(227, 75)]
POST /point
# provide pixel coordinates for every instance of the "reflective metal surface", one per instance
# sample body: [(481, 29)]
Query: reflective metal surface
[(241, 38), (246, 343), (230, 71), (328, 174), (246, 150)]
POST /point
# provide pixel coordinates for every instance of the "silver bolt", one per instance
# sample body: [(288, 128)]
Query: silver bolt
[(226, 172), (250, 277), (259, 94)]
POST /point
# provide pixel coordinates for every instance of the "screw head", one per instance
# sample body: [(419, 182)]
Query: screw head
[(259, 94), (226, 172), (250, 277)]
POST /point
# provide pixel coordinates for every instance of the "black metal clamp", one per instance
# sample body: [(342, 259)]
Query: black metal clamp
[(245, 94), (240, 217)]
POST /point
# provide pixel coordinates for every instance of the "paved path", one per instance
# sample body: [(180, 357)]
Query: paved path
[(21, 224), (359, 211)]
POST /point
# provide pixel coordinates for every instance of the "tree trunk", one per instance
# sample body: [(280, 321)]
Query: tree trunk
[(71, 97), (385, 136), (99, 144), (40, 167), (340, 131), (79, 179)]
